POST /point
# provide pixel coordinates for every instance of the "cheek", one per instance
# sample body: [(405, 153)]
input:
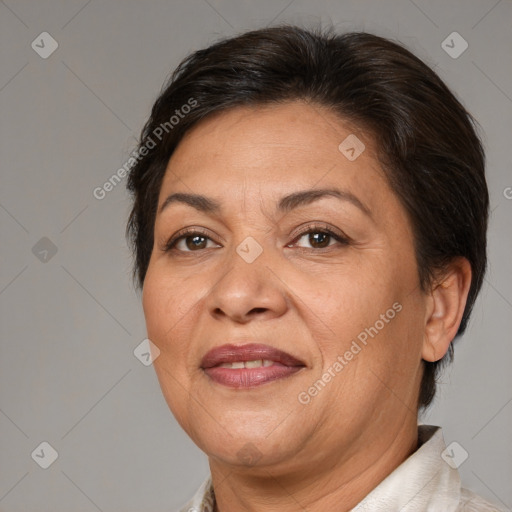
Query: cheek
[(164, 307), (173, 305), (372, 370), (353, 301), (378, 306), (155, 300), (164, 312)]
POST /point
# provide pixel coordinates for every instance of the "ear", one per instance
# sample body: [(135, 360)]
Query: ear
[(446, 304)]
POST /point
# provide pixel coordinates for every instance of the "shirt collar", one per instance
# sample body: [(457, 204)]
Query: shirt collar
[(423, 482)]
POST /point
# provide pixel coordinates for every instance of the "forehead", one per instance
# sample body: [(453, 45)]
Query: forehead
[(291, 145)]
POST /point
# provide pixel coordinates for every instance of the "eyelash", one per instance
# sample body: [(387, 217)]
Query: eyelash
[(189, 232)]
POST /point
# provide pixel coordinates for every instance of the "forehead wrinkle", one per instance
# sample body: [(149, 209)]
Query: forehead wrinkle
[(261, 202)]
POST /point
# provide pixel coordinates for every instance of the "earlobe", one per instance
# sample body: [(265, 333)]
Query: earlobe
[(446, 305)]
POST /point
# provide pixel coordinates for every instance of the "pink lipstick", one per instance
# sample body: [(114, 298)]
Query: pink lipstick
[(246, 366)]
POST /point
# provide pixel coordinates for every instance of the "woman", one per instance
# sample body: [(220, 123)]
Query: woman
[(309, 231)]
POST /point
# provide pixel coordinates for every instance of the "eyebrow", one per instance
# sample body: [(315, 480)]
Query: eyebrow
[(286, 203)]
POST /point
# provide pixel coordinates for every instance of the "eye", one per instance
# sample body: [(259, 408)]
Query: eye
[(189, 240), (194, 239), (321, 238)]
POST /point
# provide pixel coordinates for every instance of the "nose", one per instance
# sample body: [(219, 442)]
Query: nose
[(248, 290)]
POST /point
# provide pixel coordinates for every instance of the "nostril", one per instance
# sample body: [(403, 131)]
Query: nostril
[(258, 310)]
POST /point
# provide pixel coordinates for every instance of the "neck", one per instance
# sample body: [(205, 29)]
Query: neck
[(339, 483)]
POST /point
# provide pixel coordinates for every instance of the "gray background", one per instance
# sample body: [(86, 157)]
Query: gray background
[(71, 320)]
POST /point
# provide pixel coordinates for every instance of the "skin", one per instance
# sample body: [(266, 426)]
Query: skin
[(268, 451)]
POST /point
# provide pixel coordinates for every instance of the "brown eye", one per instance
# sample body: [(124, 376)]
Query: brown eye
[(195, 242), (188, 241), (321, 238)]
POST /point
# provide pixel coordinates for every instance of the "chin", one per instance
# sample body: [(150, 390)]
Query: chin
[(245, 444)]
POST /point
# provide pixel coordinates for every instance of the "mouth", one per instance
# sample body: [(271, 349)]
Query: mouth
[(248, 366)]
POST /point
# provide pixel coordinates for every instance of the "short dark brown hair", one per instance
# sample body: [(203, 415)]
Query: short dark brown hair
[(426, 140)]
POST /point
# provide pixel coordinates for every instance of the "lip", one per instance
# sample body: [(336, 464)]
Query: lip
[(284, 365)]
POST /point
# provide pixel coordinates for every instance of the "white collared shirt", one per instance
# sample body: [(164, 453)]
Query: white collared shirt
[(424, 482)]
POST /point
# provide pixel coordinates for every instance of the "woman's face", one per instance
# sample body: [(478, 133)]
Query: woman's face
[(333, 323)]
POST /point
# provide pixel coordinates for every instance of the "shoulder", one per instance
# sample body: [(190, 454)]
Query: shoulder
[(472, 502)]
